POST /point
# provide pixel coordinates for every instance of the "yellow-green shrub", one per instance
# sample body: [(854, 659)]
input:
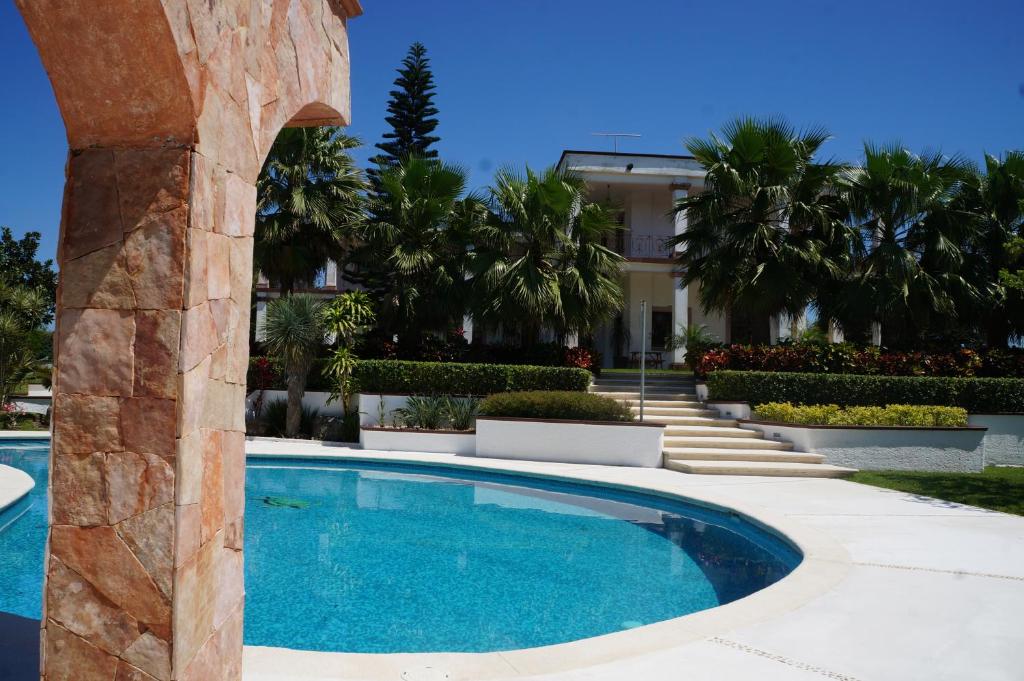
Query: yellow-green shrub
[(889, 415)]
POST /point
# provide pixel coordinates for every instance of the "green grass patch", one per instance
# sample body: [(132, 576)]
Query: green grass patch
[(997, 488)]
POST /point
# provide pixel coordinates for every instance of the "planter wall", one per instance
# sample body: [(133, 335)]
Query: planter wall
[(369, 407), (312, 399), (611, 444), (1004, 439), (729, 410), (434, 441), (954, 450)]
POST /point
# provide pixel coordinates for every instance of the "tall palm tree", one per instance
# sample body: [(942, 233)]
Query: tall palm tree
[(908, 261), (415, 244), (996, 197), (309, 202), (757, 238), (23, 311), (541, 261), (295, 333)]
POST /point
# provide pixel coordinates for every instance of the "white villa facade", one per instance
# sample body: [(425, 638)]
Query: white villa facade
[(645, 187)]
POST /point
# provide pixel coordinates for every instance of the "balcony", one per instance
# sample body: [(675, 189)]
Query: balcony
[(641, 245)]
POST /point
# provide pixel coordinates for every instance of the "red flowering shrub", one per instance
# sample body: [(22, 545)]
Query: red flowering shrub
[(580, 358), (844, 358)]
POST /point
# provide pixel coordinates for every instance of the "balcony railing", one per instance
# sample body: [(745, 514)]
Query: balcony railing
[(640, 245)]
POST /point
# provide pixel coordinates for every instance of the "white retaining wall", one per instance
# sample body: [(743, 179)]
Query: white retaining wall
[(314, 399), (954, 450), (610, 444), (1004, 439), (437, 442)]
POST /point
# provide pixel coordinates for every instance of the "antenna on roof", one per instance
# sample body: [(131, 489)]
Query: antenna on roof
[(615, 137)]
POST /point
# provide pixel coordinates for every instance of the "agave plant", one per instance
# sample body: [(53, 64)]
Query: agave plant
[(427, 412), (462, 412)]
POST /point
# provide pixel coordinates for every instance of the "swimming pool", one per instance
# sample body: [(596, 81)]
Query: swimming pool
[(380, 558)]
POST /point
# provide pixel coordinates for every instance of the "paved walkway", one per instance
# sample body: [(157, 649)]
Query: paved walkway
[(900, 588)]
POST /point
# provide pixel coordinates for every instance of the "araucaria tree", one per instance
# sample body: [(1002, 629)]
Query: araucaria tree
[(310, 201), (758, 237), (540, 261), (411, 114)]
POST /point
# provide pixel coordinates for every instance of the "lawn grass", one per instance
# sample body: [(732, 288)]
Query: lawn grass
[(997, 488)]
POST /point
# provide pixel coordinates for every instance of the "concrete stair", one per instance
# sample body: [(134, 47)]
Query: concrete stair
[(697, 441)]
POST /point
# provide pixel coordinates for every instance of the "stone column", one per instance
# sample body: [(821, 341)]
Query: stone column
[(680, 295), (170, 106), (145, 564)]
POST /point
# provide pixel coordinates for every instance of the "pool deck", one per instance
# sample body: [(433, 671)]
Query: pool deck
[(893, 587)]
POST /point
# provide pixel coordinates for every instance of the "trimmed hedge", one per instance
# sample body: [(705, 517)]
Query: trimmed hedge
[(446, 378), (561, 405), (978, 395), (889, 415)]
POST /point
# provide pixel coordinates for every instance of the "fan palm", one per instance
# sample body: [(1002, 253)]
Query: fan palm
[(996, 197), (541, 260), (309, 202), (415, 246), (908, 259), (757, 237), (295, 333), (22, 338)]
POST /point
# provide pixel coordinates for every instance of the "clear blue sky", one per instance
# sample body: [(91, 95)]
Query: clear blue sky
[(520, 81)]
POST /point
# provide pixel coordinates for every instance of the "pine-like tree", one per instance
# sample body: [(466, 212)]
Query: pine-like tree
[(411, 114)]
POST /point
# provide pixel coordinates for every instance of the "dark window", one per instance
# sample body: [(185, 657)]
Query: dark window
[(661, 328)]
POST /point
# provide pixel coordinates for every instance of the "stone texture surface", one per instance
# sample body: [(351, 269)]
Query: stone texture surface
[(170, 107)]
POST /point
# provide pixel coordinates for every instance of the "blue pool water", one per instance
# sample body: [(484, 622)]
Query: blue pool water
[(380, 558)]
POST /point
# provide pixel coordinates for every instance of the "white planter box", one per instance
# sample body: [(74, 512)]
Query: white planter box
[(606, 443), (954, 450), (433, 441), (702, 391), (1004, 439)]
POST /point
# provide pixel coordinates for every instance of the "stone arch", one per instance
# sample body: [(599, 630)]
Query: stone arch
[(170, 107)]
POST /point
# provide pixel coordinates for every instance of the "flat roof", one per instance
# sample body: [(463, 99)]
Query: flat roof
[(629, 154)]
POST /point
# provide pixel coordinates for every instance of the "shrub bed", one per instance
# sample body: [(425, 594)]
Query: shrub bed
[(438, 378), (559, 405), (889, 415), (846, 358), (984, 395)]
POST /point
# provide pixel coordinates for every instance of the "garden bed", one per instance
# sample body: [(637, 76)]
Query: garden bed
[(902, 448)]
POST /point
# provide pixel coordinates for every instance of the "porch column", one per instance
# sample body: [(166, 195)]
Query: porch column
[(680, 295)]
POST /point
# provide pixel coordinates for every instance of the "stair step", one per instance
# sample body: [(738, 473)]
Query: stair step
[(657, 404), (768, 468), (722, 454), (650, 395), (725, 431), (709, 421), (674, 411), (738, 443)]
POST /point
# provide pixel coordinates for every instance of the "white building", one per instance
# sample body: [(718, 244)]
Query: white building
[(645, 187)]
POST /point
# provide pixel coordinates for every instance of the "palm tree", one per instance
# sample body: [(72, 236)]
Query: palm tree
[(758, 236), (415, 244), (295, 333), (541, 261), (309, 203), (23, 311), (996, 197), (908, 260)]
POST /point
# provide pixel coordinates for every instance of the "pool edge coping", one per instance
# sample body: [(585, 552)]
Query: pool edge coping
[(825, 563)]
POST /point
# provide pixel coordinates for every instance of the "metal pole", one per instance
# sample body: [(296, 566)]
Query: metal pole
[(643, 355)]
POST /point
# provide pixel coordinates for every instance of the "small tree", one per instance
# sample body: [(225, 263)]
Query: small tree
[(346, 317), (295, 332)]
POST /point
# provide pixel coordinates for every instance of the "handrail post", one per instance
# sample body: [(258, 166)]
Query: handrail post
[(643, 355)]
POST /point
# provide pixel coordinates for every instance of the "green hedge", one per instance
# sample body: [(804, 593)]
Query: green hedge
[(889, 415), (447, 378), (978, 395), (570, 406)]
